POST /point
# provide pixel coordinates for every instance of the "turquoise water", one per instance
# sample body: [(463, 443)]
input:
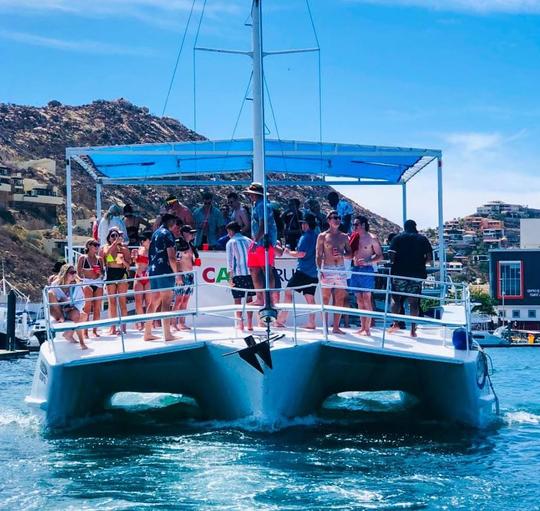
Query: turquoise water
[(361, 452)]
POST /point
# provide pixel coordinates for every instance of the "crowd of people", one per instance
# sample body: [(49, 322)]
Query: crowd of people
[(320, 242)]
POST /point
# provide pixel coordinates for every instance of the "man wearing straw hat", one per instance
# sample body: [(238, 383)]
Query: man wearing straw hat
[(256, 255)]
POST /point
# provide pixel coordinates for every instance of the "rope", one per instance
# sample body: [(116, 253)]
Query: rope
[(178, 58)]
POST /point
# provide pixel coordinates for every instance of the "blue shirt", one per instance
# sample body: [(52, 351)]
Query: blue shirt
[(257, 216), (209, 223), (161, 240), (343, 209), (308, 244)]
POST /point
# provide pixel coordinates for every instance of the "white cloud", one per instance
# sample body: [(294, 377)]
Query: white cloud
[(478, 167), (84, 46), (470, 6)]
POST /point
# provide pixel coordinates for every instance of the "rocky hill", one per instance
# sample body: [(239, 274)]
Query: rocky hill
[(44, 132)]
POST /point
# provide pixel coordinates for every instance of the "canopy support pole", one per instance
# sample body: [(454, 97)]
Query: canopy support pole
[(98, 200), (404, 201), (442, 251), (69, 212)]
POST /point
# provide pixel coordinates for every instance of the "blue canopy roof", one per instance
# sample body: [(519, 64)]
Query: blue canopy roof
[(181, 163)]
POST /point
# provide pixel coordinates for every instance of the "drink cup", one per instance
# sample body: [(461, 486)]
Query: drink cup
[(197, 261), (335, 251), (96, 269), (205, 246)]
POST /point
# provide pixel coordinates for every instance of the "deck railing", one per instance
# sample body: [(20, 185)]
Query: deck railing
[(227, 312)]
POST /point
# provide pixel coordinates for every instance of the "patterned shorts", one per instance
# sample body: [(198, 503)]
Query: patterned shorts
[(407, 286), (186, 289), (337, 277)]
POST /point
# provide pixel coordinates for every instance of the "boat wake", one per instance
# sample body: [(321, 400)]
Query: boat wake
[(521, 417)]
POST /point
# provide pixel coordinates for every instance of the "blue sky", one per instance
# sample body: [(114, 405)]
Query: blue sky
[(458, 75)]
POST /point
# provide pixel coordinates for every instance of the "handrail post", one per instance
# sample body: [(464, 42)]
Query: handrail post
[(194, 316), (294, 320), (47, 311), (119, 312), (386, 297), (324, 322)]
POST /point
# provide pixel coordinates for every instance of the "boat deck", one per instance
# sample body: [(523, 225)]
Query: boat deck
[(428, 344)]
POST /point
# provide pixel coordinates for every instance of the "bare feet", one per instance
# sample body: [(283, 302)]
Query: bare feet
[(68, 336), (96, 332), (361, 331), (309, 327), (393, 329), (337, 330), (250, 328), (184, 327), (240, 325), (83, 346), (171, 338), (413, 333), (150, 337)]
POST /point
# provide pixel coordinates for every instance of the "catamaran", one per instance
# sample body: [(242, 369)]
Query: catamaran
[(270, 375)]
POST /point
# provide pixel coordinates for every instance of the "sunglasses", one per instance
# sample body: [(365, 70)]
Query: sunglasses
[(72, 272), (114, 235), (334, 218), (357, 224)]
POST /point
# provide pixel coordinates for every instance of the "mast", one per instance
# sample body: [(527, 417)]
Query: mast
[(258, 94)]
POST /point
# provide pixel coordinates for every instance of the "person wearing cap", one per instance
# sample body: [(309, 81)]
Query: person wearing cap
[(366, 251), (306, 269), (162, 266), (176, 208), (236, 251), (185, 258), (209, 223), (256, 254), (332, 249), (409, 253), (111, 218)]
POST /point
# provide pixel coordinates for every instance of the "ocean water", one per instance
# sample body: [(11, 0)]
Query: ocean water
[(363, 451)]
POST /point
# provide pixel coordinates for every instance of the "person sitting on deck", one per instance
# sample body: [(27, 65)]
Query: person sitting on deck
[(239, 277), (306, 269), (332, 247), (409, 252), (117, 263), (67, 302), (141, 286), (161, 266), (366, 251), (256, 254), (90, 269), (186, 254)]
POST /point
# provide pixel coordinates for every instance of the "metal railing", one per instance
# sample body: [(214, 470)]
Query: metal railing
[(460, 296)]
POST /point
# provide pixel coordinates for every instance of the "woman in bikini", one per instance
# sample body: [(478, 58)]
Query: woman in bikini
[(90, 269), (67, 302), (141, 287), (117, 263)]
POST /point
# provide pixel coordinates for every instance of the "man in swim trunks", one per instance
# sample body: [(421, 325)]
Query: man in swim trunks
[(162, 264), (366, 251), (332, 247)]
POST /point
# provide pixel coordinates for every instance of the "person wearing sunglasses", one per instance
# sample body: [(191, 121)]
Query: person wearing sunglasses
[(117, 262), (90, 269), (209, 223), (66, 301), (332, 249), (366, 251)]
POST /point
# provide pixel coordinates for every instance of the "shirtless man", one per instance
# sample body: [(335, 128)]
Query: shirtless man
[(366, 251), (332, 247), (185, 257)]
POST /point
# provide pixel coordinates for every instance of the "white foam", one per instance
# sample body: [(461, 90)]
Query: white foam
[(521, 417)]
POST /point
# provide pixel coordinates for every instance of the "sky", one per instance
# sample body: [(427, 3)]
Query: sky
[(457, 75)]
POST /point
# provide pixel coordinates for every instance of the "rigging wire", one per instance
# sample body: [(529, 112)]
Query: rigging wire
[(275, 122), (178, 58), (319, 77)]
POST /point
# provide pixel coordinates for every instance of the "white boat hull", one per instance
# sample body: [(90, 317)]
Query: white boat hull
[(226, 387)]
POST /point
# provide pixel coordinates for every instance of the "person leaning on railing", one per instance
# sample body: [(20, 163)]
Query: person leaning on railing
[(67, 302), (117, 262), (91, 270)]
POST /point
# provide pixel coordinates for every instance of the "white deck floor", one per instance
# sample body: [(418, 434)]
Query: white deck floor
[(428, 344)]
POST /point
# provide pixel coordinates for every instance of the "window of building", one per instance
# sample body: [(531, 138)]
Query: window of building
[(509, 282), (515, 314), (531, 314)]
